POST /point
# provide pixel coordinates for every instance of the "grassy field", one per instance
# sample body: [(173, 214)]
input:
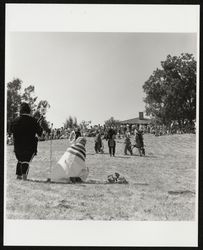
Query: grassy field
[(161, 184)]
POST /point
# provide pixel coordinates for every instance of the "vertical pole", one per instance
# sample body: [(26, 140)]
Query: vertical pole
[(50, 160)]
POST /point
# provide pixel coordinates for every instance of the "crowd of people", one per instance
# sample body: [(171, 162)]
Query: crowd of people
[(111, 135), (26, 131), (120, 131)]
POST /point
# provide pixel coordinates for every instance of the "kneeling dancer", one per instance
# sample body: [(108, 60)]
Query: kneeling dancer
[(71, 166)]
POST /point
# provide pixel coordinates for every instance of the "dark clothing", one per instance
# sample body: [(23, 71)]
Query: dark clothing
[(127, 146), (139, 140), (24, 129), (112, 146), (77, 134), (139, 143), (111, 133), (98, 143)]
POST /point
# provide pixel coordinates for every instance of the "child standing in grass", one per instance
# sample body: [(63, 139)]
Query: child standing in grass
[(127, 144), (139, 142), (98, 143)]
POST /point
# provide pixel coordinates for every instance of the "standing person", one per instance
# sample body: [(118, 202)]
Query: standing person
[(24, 129), (77, 133), (139, 142), (111, 141), (127, 144), (98, 143)]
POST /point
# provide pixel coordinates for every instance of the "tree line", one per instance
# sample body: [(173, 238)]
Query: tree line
[(15, 96), (170, 96), (171, 91)]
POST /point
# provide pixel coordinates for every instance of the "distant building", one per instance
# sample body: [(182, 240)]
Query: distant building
[(138, 121)]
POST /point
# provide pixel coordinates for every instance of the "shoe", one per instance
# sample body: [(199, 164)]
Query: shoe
[(19, 177)]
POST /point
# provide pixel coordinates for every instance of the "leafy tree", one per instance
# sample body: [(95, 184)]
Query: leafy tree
[(28, 96), (13, 100), (43, 106), (15, 97), (171, 91), (41, 112), (84, 124), (75, 122), (112, 122), (71, 122)]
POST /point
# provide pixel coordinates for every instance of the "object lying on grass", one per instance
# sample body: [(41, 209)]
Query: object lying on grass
[(68, 181), (72, 164), (116, 178)]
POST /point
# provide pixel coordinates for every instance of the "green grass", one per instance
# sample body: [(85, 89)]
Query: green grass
[(161, 185)]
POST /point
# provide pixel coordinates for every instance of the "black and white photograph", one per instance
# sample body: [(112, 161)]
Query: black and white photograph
[(101, 124)]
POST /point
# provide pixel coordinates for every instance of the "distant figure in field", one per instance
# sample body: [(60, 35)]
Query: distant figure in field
[(98, 143), (71, 166), (139, 141), (128, 146), (24, 129), (77, 133), (111, 141)]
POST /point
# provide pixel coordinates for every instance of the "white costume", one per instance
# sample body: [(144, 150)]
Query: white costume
[(72, 163)]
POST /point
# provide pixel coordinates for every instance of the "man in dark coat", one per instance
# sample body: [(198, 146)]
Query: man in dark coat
[(24, 129), (111, 141)]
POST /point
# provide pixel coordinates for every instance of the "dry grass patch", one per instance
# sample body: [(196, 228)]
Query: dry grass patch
[(154, 191)]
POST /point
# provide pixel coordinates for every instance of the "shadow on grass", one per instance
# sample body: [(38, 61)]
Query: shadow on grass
[(145, 156), (97, 153), (149, 156), (177, 192), (76, 183), (125, 157)]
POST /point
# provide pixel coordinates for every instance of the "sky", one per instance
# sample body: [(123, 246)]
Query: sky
[(91, 76)]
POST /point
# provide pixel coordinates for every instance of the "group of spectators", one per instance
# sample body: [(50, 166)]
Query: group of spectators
[(174, 128), (27, 130), (119, 131)]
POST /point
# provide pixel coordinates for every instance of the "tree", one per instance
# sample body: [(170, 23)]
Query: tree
[(75, 122), (15, 97), (43, 106), (71, 122), (84, 125), (112, 122), (28, 96), (171, 91), (40, 111), (13, 100)]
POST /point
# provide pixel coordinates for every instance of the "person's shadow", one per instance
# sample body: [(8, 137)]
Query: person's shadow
[(124, 157)]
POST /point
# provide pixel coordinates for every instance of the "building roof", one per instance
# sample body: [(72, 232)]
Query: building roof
[(137, 120)]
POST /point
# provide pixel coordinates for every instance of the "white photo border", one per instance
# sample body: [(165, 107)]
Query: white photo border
[(98, 18)]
